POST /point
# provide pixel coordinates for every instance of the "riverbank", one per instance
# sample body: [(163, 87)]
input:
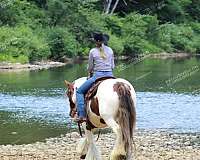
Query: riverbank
[(150, 145), (4, 66), (165, 55)]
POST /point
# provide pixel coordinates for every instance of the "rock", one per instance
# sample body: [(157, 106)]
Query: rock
[(75, 135), (149, 145)]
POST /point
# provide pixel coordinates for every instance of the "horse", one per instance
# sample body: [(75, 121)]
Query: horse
[(116, 102)]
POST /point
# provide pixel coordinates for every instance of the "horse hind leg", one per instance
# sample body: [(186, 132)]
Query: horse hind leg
[(118, 152)]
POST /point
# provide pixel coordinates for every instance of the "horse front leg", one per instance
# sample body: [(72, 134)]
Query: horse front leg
[(87, 148), (82, 147), (93, 153)]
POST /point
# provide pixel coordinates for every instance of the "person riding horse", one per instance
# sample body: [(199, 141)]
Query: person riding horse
[(100, 64)]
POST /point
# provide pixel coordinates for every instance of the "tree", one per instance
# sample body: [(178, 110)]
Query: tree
[(108, 5)]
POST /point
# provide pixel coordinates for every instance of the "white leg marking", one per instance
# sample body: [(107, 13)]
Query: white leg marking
[(119, 146)]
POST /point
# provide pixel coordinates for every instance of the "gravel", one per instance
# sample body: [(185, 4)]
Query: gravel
[(149, 145)]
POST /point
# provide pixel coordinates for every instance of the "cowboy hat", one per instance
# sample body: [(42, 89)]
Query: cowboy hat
[(100, 37)]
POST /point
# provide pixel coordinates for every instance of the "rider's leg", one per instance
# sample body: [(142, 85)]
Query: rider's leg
[(80, 96)]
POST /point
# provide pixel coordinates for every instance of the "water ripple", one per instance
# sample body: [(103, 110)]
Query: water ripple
[(180, 112), (168, 111)]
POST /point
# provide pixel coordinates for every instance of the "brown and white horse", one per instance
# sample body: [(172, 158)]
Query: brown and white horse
[(116, 99)]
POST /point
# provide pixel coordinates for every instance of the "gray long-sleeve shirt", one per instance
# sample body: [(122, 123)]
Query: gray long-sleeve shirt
[(97, 63)]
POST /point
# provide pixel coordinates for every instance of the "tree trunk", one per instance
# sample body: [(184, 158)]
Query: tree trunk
[(108, 6), (114, 7)]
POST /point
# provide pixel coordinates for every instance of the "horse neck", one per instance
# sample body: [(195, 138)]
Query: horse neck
[(78, 82)]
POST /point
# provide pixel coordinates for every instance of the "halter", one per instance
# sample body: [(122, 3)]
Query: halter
[(73, 108)]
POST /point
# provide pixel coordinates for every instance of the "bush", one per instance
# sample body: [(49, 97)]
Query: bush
[(137, 30), (20, 12), (20, 41), (116, 44), (195, 27), (61, 43), (114, 24), (87, 22), (9, 58), (177, 38)]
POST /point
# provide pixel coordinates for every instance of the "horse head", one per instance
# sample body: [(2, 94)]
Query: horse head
[(70, 94)]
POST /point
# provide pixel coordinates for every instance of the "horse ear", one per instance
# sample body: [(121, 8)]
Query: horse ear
[(67, 83)]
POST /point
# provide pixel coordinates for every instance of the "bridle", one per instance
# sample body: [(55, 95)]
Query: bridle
[(69, 93)]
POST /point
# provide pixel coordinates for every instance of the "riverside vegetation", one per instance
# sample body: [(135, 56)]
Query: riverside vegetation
[(36, 30)]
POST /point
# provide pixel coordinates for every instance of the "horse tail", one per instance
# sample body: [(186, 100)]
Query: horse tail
[(126, 115)]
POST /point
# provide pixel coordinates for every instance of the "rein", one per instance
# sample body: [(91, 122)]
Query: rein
[(79, 128)]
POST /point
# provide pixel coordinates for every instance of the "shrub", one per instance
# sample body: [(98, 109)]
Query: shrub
[(20, 41), (177, 38), (116, 44), (137, 30), (9, 58), (195, 27), (114, 24), (61, 43)]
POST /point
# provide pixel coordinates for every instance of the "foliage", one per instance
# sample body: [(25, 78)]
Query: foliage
[(32, 30), (61, 43), (9, 58), (174, 11), (116, 44), (194, 9), (177, 38), (20, 12), (138, 34), (20, 41), (114, 24)]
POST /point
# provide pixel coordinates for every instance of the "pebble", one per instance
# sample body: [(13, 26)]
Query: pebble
[(150, 145)]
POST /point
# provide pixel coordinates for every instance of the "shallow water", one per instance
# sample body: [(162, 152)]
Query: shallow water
[(33, 106)]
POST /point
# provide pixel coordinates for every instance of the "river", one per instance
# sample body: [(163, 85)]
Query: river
[(33, 105)]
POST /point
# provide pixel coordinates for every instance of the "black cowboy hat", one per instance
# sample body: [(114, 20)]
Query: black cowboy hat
[(100, 37)]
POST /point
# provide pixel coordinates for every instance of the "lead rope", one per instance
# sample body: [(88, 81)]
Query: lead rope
[(79, 128), (98, 135), (70, 126)]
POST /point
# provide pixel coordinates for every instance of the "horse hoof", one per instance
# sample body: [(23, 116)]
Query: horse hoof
[(121, 157), (83, 156)]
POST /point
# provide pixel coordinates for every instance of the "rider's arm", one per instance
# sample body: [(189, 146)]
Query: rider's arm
[(112, 62), (90, 64)]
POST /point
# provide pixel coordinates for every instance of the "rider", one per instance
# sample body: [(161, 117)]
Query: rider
[(101, 64)]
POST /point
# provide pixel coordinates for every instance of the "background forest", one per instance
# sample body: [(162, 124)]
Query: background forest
[(34, 30)]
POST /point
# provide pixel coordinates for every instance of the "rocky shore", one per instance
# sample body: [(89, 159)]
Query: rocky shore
[(4, 66), (149, 145)]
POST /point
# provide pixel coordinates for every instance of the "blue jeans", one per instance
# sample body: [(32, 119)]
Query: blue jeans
[(84, 88)]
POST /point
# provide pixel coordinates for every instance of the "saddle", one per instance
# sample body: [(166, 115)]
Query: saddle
[(93, 117), (93, 90)]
